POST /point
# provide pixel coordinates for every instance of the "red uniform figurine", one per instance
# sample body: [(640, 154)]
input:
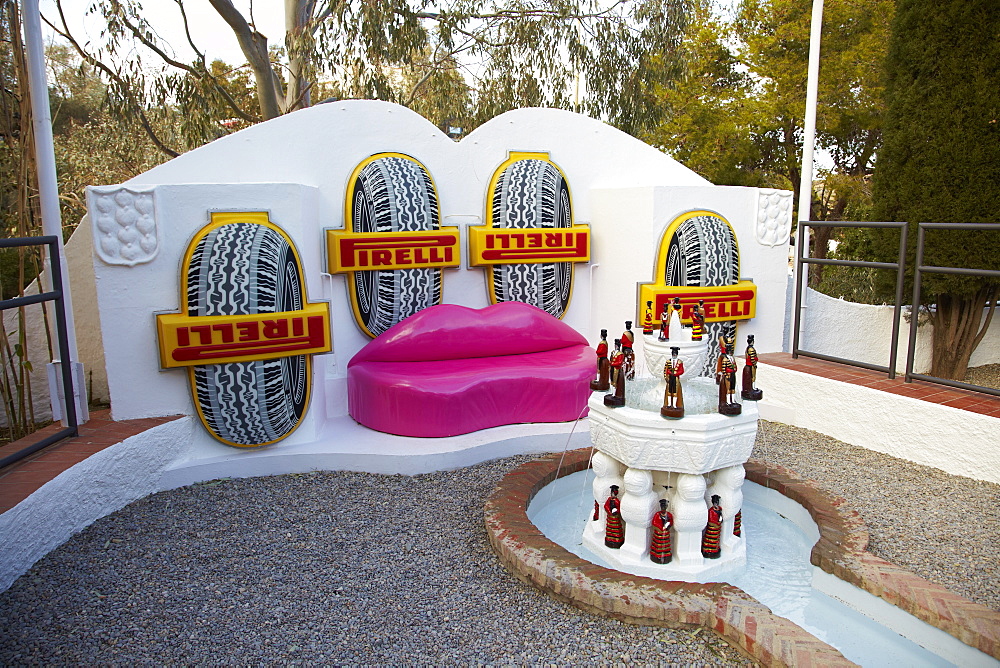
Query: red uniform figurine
[(614, 528), (698, 321), (673, 397), (750, 392), (710, 545), (665, 322), (601, 383), (647, 322), (628, 340), (660, 549), (725, 376), (617, 363)]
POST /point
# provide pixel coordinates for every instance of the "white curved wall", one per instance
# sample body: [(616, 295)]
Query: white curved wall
[(863, 332), (953, 440), (297, 167)]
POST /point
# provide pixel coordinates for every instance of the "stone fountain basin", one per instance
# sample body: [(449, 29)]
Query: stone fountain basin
[(696, 444)]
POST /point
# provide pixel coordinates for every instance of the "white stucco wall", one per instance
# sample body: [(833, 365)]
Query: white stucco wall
[(297, 167), (97, 486), (863, 332), (953, 440), (637, 219)]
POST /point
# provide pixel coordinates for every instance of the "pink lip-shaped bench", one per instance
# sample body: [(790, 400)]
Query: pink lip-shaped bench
[(453, 370)]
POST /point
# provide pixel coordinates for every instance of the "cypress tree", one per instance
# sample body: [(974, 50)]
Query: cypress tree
[(940, 159)]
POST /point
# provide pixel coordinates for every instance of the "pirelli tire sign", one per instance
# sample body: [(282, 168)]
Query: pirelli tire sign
[(246, 331)]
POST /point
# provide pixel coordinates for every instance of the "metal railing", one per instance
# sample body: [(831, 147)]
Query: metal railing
[(919, 270), (899, 266), (55, 295)]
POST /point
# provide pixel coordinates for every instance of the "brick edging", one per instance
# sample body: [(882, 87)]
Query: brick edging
[(722, 608), (842, 552)]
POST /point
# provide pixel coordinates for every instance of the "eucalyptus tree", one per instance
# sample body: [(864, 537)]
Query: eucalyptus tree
[(512, 53)]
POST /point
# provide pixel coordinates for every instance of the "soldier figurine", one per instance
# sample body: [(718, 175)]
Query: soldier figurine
[(673, 397), (602, 383), (751, 393), (614, 527), (660, 549), (628, 340), (725, 376), (617, 362), (711, 547), (665, 322), (698, 321)]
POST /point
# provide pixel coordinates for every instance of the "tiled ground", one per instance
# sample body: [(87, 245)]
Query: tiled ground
[(20, 479), (975, 402)]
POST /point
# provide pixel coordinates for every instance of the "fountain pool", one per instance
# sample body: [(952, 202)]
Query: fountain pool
[(779, 536)]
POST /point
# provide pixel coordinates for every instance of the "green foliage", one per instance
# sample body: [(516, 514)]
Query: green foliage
[(940, 162), (736, 115), (439, 92), (712, 123), (18, 218)]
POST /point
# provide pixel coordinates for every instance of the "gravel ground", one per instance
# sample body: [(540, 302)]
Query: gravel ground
[(320, 568), (350, 568), (987, 375), (942, 527)]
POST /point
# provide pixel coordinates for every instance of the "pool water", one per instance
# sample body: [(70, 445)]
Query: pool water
[(777, 572)]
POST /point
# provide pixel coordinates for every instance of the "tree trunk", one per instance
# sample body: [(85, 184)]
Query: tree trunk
[(254, 47), (957, 330), (298, 14)]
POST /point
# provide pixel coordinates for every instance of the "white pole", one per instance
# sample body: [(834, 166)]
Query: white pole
[(806, 177), (48, 185)]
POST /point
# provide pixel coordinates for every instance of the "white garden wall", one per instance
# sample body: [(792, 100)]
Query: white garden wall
[(863, 332)]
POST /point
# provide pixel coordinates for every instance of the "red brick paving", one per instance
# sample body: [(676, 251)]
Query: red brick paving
[(21, 479)]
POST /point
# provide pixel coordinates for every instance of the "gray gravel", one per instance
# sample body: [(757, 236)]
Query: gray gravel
[(350, 568), (940, 526), (321, 568), (987, 375)]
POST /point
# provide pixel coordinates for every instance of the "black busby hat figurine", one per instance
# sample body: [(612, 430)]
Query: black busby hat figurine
[(750, 390)]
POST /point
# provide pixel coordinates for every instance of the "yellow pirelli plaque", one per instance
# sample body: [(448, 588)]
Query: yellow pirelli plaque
[(722, 303), (352, 251), (192, 341), (493, 246)]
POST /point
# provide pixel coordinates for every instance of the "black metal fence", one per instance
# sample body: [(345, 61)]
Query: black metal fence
[(918, 271), (56, 295), (900, 267)]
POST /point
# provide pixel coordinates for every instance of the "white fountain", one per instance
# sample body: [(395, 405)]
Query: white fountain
[(685, 461)]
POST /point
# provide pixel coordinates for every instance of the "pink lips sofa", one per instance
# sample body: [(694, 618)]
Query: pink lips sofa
[(451, 370)]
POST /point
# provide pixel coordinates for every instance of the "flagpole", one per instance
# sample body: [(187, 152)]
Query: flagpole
[(808, 141), (48, 188)]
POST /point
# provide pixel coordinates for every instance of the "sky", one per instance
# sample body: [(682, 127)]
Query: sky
[(208, 30)]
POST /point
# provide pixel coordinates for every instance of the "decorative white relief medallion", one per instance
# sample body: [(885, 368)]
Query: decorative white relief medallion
[(774, 217), (124, 225)]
